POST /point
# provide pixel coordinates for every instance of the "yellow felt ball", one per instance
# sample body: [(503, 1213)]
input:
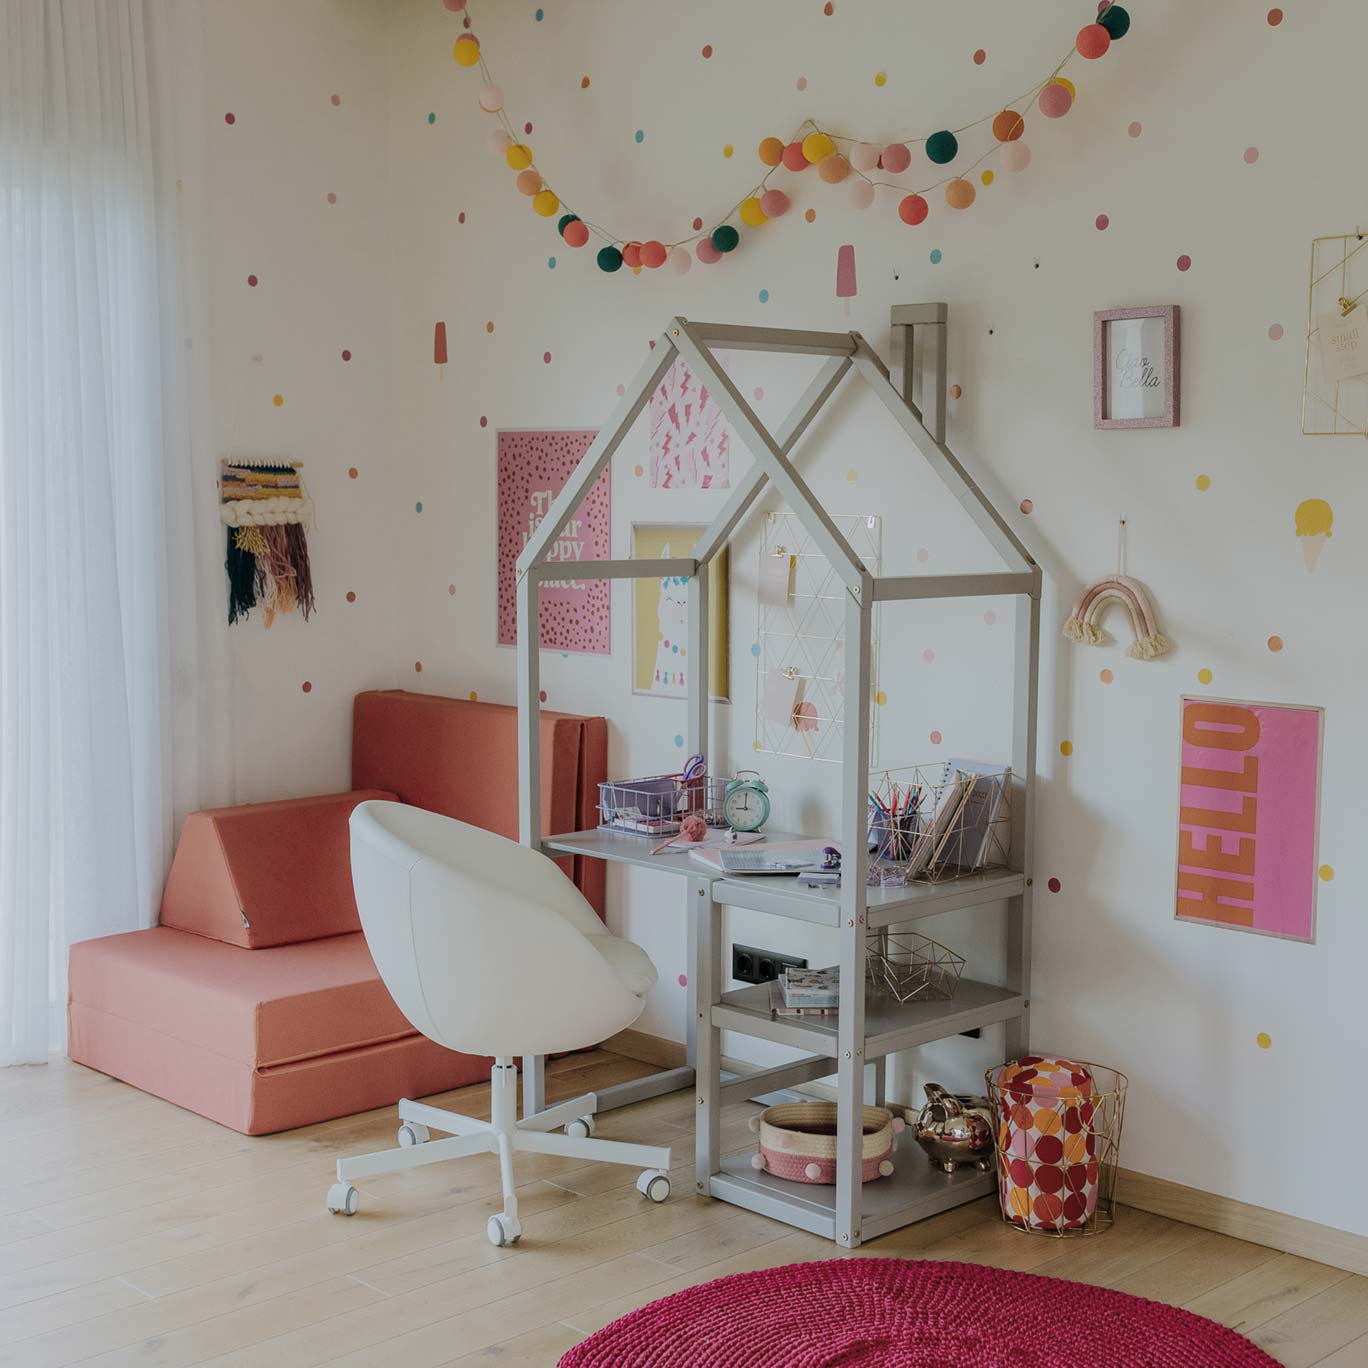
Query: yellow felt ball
[(467, 50), (816, 146), (519, 157), (752, 215), (545, 203)]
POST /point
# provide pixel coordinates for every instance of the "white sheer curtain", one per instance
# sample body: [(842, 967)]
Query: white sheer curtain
[(113, 667)]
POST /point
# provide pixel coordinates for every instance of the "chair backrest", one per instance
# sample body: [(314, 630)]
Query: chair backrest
[(484, 945)]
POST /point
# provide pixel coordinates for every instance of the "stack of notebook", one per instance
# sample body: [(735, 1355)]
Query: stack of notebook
[(805, 992)]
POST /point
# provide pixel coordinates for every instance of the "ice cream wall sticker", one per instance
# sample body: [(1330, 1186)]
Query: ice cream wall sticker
[(1085, 622)]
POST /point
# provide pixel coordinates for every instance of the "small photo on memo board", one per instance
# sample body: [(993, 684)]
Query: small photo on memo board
[(660, 615)]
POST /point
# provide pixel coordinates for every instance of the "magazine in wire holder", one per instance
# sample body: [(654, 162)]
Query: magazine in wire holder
[(934, 822), (805, 638), (657, 805)]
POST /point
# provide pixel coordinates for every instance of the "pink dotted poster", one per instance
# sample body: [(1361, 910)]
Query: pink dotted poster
[(533, 469), (690, 441)]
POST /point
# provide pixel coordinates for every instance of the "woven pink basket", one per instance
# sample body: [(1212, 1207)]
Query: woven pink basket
[(798, 1142)]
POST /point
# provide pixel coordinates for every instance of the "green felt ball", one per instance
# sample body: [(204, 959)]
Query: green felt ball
[(565, 221), (609, 259), (725, 238), (1115, 20), (942, 147)]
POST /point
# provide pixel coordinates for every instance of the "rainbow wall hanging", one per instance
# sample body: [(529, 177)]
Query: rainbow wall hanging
[(1085, 622)]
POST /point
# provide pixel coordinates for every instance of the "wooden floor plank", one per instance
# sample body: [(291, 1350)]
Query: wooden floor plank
[(1270, 1289)]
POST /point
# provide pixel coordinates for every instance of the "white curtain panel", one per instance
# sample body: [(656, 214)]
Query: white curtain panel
[(113, 655)]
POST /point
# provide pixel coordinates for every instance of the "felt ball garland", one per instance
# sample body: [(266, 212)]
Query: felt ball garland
[(861, 165)]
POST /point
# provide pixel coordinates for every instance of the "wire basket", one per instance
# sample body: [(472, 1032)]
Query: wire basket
[(911, 968), (934, 822), (656, 806), (1057, 1133)]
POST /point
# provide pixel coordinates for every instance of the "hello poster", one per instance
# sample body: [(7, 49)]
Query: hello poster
[(1249, 797), (533, 469)]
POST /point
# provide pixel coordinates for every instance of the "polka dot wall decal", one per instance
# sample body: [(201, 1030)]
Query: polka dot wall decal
[(621, 390), (484, 420), (801, 83), (881, 78), (418, 507), (1103, 223), (306, 686), (277, 399), (640, 135), (987, 178), (936, 738), (956, 392), (881, 698), (697, 223), (980, 57), (473, 696), (230, 118), (923, 555), (346, 354), (1275, 644), (352, 473), (683, 980), (332, 198), (764, 296), (584, 83), (1275, 17), (727, 149), (679, 741), (1027, 505), (1106, 676), (550, 263), (1203, 483), (928, 655), (539, 15), (638, 470), (541, 696), (546, 358), (755, 649), (707, 50), (1275, 332), (1251, 155), (1136, 129), (1326, 872), (1263, 1040), (351, 595), (936, 256), (1204, 676), (489, 326), (252, 281), (990, 617), (336, 100), (432, 119), (1066, 748), (852, 475), (828, 9), (451, 589), (1054, 885), (1185, 262), (460, 218), (757, 394)]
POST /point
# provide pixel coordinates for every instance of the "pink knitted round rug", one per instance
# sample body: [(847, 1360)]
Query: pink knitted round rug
[(906, 1313)]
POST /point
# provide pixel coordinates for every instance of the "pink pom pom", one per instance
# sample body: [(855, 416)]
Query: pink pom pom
[(693, 827), (897, 157), (774, 204), (706, 252), (678, 262), (899, 1124), (1055, 100), (1016, 156), (864, 156), (861, 194)]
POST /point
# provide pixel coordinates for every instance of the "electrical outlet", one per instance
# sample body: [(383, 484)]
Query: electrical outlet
[(750, 965)]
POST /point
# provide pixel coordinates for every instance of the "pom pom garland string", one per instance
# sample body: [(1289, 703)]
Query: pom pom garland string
[(844, 156)]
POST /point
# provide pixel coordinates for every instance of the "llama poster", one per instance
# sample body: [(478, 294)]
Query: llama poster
[(660, 617), (533, 468)]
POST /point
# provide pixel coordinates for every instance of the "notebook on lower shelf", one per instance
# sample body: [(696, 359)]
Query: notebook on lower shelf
[(793, 855)]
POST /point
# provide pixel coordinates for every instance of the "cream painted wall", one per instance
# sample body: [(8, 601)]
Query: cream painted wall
[(1177, 1006)]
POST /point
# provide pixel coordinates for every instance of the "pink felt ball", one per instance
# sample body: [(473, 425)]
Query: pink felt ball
[(678, 262), (864, 156), (897, 157), (861, 194), (1093, 41), (693, 828), (706, 252), (1016, 156), (576, 233), (794, 159), (913, 210), (774, 204), (499, 142), (833, 169), (1055, 100)]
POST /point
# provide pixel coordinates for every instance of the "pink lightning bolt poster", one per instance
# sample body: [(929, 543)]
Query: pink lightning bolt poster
[(690, 440)]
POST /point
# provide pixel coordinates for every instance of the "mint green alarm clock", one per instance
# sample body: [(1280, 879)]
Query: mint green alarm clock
[(745, 802)]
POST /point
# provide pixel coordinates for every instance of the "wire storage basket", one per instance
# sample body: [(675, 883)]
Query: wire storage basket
[(911, 967), (934, 822), (656, 806), (1057, 1133)]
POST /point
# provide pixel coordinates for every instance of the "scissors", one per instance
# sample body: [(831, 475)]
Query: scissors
[(693, 769)]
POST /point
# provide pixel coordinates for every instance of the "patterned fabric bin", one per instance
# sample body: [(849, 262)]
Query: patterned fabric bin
[(1058, 1125), (798, 1142)]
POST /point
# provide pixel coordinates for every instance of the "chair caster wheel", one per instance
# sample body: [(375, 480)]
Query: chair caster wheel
[(655, 1184), (342, 1199), (413, 1133), (581, 1128), (503, 1230)]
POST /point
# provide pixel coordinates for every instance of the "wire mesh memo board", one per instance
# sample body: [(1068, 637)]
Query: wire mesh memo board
[(807, 637), (1339, 275)]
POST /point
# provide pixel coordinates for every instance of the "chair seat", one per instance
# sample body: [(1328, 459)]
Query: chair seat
[(631, 964)]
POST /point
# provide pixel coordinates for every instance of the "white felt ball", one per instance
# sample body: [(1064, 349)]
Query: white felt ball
[(861, 194), (757, 1161), (886, 1169), (491, 99), (1016, 156), (499, 142), (678, 262), (865, 156), (813, 1171)]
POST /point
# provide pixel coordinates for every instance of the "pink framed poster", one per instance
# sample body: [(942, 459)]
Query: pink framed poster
[(1249, 816), (690, 440), (533, 469)]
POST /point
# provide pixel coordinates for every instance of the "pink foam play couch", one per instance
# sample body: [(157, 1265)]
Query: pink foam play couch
[(256, 1002)]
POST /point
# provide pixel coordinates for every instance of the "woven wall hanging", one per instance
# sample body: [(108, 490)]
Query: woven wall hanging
[(267, 512)]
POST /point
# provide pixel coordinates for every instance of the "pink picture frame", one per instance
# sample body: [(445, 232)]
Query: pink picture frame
[(1132, 386)]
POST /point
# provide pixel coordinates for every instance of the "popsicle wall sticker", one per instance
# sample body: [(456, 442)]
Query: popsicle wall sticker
[(845, 275), (1313, 522)]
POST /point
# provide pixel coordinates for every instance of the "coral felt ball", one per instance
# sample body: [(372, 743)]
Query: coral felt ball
[(942, 147), (1115, 20), (725, 238), (774, 203), (833, 169), (861, 194), (546, 203), (631, 255), (1055, 100), (897, 157), (678, 262), (771, 151), (653, 255), (864, 156), (576, 234), (706, 252), (817, 146), (491, 99), (455, 6), (959, 194), (528, 182), (1008, 126), (913, 210), (467, 50), (565, 221), (1092, 41), (609, 259), (518, 157), (793, 157), (752, 212)]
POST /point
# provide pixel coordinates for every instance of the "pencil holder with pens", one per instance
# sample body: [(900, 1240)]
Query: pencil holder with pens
[(891, 835)]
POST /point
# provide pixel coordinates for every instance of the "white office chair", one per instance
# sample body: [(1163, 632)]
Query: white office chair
[(489, 949)]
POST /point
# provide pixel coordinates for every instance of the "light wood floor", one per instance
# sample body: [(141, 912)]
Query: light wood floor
[(132, 1232)]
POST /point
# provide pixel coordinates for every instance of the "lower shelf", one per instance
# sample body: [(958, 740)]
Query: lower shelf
[(912, 1192)]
